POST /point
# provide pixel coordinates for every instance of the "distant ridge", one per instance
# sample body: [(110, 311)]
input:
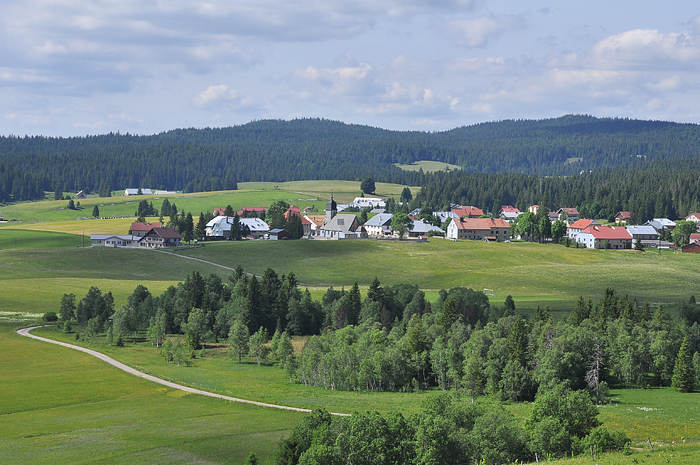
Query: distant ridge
[(276, 150)]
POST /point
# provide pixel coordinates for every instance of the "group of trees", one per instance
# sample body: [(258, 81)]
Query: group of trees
[(448, 430)]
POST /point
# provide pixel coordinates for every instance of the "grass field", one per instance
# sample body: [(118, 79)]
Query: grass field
[(533, 274), (258, 194), (428, 166), (61, 406)]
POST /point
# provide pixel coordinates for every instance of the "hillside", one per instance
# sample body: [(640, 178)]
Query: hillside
[(274, 150)]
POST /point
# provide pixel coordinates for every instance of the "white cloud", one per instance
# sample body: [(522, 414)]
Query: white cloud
[(478, 32), (222, 97), (642, 49)]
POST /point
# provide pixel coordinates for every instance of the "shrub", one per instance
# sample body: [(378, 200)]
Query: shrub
[(50, 316), (605, 440)]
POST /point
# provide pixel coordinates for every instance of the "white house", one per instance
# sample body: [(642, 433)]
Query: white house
[(372, 202), (130, 191), (114, 240), (379, 225), (596, 237), (258, 228), (220, 227), (578, 226)]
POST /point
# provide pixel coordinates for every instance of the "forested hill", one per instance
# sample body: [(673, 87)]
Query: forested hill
[(273, 150)]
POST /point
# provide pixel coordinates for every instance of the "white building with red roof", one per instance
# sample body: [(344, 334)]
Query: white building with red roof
[(509, 213), (578, 226), (479, 228), (601, 237)]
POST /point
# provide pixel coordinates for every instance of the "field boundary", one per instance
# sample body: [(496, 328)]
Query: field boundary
[(26, 332)]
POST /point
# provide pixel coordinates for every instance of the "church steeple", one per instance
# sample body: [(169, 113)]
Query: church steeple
[(331, 209)]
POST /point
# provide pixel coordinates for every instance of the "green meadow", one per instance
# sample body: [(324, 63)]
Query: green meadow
[(428, 166), (534, 274), (61, 406), (300, 193)]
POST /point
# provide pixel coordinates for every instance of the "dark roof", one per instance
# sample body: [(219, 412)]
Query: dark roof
[(166, 233)]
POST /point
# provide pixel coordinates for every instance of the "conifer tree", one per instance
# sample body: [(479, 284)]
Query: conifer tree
[(683, 373)]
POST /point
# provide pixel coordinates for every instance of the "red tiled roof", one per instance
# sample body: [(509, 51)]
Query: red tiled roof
[(251, 209), (481, 223), (581, 224), (509, 209), (624, 215), (467, 211), (144, 226), (607, 232)]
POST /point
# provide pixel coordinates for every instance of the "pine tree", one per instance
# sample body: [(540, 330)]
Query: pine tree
[(683, 373)]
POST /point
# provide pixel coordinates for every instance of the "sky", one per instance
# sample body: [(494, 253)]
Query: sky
[(70, 67)]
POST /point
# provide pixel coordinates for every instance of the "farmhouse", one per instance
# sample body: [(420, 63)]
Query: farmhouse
[(579, 226), (509, 213), (601, 237), (479, 228), (568, 214), (623, 217), (114, 240), (661, 223), (379, 225), (156, 238), (80, 195), (695, 237), (140, 229), (220, 227)]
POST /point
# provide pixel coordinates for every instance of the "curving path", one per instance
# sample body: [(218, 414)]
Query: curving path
[(26, 332)]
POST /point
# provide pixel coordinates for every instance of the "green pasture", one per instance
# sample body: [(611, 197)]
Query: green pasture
[(61, 406), (300, 193), (428, 166), (20, 239), (534, 274), (37, 295)]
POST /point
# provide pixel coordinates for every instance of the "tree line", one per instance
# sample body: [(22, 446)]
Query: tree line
[(664, 189), (214, 159)]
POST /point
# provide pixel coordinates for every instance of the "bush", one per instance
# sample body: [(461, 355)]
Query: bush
[(50, 316), (605, 440)]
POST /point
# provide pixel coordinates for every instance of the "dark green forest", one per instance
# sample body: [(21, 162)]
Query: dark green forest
[(662, 189), (274, 150)]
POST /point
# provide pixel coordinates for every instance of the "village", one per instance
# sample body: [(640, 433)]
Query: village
[(341, 222)]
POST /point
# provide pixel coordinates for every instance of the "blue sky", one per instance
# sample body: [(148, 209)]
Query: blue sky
[(71, 67)]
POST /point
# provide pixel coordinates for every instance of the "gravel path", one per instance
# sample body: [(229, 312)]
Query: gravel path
[(132, 371)]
